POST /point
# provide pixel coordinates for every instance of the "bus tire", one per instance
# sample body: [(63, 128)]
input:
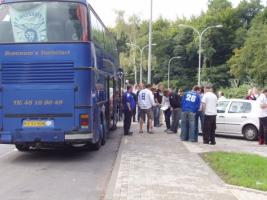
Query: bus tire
[(22, 147), (96, 146), (104, 139), (105, 131)]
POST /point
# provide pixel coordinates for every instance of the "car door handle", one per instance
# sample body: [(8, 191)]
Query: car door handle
[(244, 117), (221, 116)]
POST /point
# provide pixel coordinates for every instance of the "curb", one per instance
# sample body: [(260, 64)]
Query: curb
[(115, 170), (246, 189)]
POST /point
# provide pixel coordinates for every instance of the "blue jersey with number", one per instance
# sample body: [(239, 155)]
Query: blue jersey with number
[(191, 102), (128, 98)]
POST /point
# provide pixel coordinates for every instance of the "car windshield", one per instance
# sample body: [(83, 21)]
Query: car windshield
[(33, 22)]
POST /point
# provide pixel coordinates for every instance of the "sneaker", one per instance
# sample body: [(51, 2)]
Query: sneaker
[(150, 132), (141, 131), (167, 130)]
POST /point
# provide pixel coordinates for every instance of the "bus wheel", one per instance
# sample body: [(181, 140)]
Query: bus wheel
[(104, 139), (105, 132), (22, 147), (96, 146)]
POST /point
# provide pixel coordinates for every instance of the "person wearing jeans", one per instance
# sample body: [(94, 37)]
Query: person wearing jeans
[(166, 107), (188, 126), (175, 101), (158, 99), (156, 110), (190, 105), (199, 116)]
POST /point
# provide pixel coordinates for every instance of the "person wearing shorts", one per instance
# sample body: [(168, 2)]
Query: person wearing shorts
[(146, 102)]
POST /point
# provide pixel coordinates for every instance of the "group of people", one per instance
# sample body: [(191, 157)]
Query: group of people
[(190, 107), (150, 103)]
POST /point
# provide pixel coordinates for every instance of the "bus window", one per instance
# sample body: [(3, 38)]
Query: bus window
[(31, 22), (97, 31)]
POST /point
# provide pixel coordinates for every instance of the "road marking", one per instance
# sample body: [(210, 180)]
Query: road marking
[(6, 154)]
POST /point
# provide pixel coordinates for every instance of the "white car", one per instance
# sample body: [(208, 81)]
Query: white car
[(238, 117)]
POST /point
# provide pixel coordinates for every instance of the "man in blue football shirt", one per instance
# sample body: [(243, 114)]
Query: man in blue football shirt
[(190, 105), (129, 106)]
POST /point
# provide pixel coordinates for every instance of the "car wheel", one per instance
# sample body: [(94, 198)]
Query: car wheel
[(22, 147), (250, 132)]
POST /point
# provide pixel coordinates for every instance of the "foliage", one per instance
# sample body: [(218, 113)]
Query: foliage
[(236, 51), (250, 61), (245, 170), (236, 92)]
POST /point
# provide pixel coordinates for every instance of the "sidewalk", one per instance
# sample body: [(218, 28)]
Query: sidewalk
[(160, 167)]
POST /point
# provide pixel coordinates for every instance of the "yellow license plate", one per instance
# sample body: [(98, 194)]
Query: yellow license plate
[(34, 123)]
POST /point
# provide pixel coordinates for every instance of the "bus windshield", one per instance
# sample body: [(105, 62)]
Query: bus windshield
[(41, 22)]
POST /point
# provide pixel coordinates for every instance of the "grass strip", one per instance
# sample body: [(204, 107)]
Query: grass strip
[(247, 170)]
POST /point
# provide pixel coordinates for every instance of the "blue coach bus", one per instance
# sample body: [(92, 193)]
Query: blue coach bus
[(59, 74)]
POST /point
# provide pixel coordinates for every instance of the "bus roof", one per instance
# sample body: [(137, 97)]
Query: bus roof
[(13, 1)]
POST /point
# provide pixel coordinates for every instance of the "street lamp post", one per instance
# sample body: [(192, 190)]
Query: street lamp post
[(141, 57), (169, 67), (200, 35), (150, 44)]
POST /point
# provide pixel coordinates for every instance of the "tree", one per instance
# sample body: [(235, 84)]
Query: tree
[(251, 60), (234, 52)]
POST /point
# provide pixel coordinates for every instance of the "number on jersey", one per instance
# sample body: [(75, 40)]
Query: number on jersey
[(143, 96), (191, 98)]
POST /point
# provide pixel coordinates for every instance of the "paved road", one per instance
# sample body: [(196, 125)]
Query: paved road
[(56, 175)]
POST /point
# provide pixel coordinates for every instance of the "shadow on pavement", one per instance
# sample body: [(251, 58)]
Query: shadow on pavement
[(227, 136), (59, 155)]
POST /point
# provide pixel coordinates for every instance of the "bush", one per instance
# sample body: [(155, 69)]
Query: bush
[(239, 93)]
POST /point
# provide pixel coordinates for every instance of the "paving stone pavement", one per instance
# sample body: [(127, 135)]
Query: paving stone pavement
[(160, 167)]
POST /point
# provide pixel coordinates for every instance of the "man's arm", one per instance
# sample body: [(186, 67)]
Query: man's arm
[(129, 106), (263, 105), (152, 100), (203, 103)]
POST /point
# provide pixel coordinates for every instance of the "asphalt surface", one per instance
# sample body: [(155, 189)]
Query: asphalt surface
[(57, 174)]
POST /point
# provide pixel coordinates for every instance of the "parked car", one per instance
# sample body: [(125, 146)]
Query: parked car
[(238, 117)]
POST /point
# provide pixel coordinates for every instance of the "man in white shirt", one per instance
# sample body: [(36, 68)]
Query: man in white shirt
[(146, 102), (209, 106), (262, 100)]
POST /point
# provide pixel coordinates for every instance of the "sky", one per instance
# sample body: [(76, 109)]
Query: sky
[(169, 9)]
